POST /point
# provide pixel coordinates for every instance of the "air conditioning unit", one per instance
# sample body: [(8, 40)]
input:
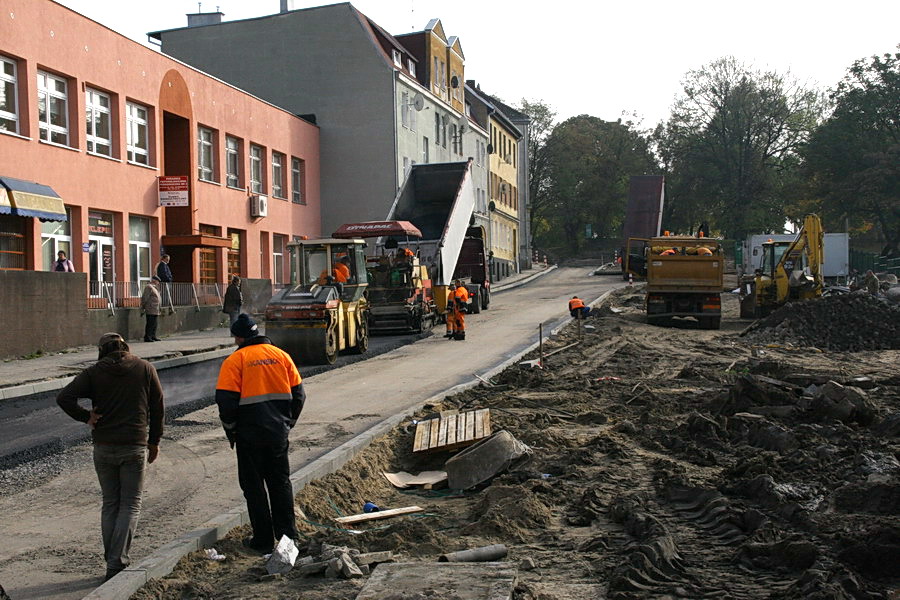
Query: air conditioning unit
[(259, 206)]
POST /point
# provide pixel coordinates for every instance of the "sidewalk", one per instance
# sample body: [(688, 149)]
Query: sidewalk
[(50, 372)]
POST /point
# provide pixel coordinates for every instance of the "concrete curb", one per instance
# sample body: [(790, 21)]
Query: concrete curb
[(511, 286), (53, 385), (163, 560)]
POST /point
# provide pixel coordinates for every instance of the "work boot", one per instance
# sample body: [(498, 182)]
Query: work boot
[(459, 335), (256, 547), (110, 573), (448, 335)]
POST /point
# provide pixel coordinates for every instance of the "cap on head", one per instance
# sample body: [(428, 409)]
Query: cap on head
[(109, 337), (244, 327)]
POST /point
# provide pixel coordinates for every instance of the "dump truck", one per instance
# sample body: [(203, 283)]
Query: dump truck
[(643, 217), (438, 198), (684, 279), (400, 292), (323, 310)]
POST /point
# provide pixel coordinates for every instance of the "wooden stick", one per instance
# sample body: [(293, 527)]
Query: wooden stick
[(378, 514), (560, 349), (483, 380)]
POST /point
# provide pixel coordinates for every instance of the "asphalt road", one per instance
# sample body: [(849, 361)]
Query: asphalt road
[(50, 529)]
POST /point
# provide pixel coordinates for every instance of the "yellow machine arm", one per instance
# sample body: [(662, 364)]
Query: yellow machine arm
[(789, 279)]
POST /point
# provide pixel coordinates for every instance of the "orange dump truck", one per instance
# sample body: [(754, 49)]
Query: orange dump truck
[(684, 279)]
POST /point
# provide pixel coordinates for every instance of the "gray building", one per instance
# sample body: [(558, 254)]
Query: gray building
[(362, 87)]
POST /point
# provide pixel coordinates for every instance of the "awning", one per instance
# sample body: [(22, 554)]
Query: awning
[(197, 240), (377, 229), (30, 199)]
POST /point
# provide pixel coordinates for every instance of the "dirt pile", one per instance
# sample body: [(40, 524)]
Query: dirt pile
[(849, 322), (666, 462)]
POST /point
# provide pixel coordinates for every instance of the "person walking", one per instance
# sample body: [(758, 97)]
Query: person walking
[(871, 282), (460, 301), (233, 300), (260, 396), (126, 421), (577, 308), (63, 264), (164, 273), (151, 302)]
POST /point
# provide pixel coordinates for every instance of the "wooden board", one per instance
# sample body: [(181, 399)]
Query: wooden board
[(460, 581), (452, 430), (378, 514)]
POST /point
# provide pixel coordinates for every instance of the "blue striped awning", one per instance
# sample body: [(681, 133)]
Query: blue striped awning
[(29, 199)]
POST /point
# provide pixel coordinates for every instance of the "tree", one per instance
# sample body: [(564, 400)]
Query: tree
[(589, 165), (542, 121), (853, 159), (732, 136)]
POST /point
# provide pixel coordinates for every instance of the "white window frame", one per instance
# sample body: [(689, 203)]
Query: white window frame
[(94, 111), (297, 195), (134, 122), (278, 160), (206, 156), (14, 80), (134, 248), (232, 159), (278, 258), (412, 67), (404, 109), (398, 58), (256, 171), (46, 94), (425, 150)]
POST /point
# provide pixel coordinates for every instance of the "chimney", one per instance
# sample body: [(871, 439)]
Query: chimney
[(200, 19), (286, 5)]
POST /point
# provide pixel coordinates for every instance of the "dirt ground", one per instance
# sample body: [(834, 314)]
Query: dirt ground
[(666, 462)]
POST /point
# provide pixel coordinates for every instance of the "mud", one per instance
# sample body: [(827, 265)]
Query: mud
[(708, 468)]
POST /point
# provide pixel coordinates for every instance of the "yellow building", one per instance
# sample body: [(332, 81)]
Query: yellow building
[(504, 194)]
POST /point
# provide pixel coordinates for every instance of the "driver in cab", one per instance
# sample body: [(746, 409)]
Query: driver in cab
[(340, 273)]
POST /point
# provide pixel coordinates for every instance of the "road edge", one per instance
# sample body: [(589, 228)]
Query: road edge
[(163, 560)]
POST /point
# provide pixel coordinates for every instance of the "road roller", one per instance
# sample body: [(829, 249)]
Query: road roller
[(323, 311)]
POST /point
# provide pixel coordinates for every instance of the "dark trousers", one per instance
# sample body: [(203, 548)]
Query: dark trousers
[(264, 475), (120, 470), (150, 327)]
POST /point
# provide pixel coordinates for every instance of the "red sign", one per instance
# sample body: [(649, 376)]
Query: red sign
[(173, 190)]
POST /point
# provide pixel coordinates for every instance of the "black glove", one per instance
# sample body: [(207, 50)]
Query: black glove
[(231, 437)]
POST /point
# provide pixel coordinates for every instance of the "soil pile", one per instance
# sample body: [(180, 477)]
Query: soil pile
[(666, 462), (848, 322)]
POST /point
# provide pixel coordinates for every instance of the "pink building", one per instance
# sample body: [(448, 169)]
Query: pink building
[(89, 122)]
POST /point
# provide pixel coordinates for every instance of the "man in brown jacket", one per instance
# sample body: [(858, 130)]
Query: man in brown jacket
[(151, 302), (126, 419)]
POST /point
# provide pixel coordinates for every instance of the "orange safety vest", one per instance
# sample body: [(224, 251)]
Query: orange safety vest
[(260, 373), (575, 303), (462, 294), (668, 252), (341, 272)]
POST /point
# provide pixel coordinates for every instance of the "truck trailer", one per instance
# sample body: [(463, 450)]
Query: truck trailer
[(684, 279)]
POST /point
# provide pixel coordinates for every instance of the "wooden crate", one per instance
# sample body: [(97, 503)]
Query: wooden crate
[(452, 430)]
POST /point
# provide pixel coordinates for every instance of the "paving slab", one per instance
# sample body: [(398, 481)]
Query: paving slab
[(448, 581)]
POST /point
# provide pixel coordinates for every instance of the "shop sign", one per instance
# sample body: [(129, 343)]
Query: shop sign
[(173, 190)]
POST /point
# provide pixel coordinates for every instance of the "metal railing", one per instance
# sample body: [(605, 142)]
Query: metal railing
[(111, 295)]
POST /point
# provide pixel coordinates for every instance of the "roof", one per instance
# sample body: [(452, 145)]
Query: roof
[(496, 112)]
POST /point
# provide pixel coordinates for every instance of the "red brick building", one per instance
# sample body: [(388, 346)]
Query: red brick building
[(89, 120)]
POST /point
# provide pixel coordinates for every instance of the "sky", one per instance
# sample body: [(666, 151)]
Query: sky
[(599, 57)]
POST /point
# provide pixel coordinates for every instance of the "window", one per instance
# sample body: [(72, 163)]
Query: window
[(232, 162), (424, 149), (99, 133), (405, 165), (205, 154), (444, 131), (298, 181), (412, 67), (12, 243), (234, 253), (137, 127), (256, 172), (398, 58), (278, 244), (453, 137), (404, 109), (53, 108), (436, 75), (209, 257), (278, 175), (9, 105), (56, 236), (437, 129), (139, 252)]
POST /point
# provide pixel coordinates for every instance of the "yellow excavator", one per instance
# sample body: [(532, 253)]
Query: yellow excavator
[(324, 309), (791, 270)]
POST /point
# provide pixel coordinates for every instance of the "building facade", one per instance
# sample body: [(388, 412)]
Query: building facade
[(94, 120), (378, 99)]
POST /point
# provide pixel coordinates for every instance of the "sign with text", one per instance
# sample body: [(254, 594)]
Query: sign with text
[(173, 190)]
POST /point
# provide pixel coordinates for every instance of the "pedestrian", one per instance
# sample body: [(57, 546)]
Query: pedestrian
[(151, 302), (577, 308), (260, 396), (233, 300), (63, 264), (162, 269), (871, 282), (126, 421)]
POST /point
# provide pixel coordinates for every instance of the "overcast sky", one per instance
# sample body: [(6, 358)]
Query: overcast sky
[(597, 57)]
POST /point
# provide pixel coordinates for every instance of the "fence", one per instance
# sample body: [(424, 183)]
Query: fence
[(863, 261), (111, 295)]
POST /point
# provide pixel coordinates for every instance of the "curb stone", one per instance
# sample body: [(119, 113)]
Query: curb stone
[(162, 561)]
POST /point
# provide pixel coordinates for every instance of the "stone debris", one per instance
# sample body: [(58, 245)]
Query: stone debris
[(341, 562)]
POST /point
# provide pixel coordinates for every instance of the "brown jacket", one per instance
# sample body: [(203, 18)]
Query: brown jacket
[(151, 300), (126, 392)]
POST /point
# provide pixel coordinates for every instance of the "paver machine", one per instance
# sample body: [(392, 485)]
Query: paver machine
[(324, 309), (400, 294)]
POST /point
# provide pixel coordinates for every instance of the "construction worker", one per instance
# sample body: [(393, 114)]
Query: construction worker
[(704, 251), (669, 252), (577, 308), (341, 270), (460, 299), (871, 282), (451, 313), (260, 396)]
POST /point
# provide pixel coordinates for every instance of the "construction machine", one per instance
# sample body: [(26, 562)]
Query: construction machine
[(400, 294), (324, 310), (789, 270)]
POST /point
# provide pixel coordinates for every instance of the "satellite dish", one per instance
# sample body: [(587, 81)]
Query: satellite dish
[(454, 82), (492, 206), (418, 101), (490, 148)]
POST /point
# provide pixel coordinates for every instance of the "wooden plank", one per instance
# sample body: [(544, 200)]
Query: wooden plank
[(434, 434), (423, 436), (470, 426), (487, 422), (378, 514), (417, 441), (451, 429), (442, 435), (479, 425)]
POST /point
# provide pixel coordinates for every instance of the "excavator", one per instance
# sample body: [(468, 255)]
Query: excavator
[(324, 309), (790, 270)]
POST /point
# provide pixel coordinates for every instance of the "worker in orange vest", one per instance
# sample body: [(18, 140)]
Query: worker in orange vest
[(451, 312), (461, 297), (577, 308), (704, 251), (669, 252)]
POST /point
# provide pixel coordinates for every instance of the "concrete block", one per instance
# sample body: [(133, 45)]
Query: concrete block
[(161, 562), (121, 586)]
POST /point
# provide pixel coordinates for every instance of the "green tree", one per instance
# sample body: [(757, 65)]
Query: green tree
[(589, 165), (853, 159), (542, 122), (732, 137)]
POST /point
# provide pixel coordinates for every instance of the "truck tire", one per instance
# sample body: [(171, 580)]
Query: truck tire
[(710, 322), (475, 304)]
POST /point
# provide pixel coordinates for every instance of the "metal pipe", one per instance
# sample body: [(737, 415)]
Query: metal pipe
[(483, 554), (541, 344)]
